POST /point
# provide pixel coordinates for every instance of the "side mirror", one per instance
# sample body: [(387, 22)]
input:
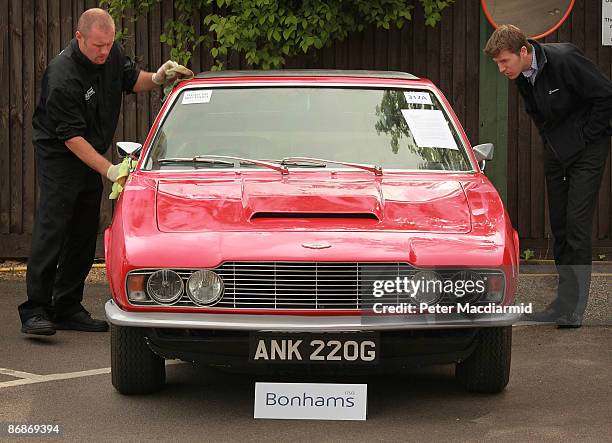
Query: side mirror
[(483, 153), (129, 149)]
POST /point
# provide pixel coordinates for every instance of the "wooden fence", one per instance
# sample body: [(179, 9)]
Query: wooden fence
[(32, 32)]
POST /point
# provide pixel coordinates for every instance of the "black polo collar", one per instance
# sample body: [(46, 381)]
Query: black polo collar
[(82, 59)]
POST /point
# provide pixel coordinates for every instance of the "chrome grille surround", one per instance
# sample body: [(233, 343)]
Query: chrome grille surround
[(300, 285)]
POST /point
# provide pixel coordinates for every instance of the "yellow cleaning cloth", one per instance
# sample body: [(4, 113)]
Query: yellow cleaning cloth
[(127, 166)]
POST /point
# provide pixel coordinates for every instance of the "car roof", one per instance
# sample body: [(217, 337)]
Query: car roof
[(309, 73)]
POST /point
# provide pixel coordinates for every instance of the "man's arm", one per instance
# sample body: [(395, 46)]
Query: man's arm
[(149, 80), (592, 86), (92, 158), (144, 82)]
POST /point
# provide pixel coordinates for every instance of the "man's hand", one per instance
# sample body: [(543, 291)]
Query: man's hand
[(114, 174), (159, 78)]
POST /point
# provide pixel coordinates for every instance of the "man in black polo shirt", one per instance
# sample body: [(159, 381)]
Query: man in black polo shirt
[(74, 123), (570, 102)]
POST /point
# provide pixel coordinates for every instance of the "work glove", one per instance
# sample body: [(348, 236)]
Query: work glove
[(122, 170), (169, 74), (113, 172), (162, 74)]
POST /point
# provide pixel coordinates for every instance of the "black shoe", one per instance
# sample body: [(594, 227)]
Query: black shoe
[(569, 321), (38, 325), (82, 321), (548, 315)]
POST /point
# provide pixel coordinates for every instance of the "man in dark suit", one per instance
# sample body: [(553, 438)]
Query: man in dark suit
[(570, 101)]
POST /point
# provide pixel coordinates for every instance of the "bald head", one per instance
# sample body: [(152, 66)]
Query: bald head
[(95, 18), (95, 35)]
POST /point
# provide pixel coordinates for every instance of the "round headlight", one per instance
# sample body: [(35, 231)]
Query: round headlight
[(204, 287), (468, 286), (165, 286), (428, 287)]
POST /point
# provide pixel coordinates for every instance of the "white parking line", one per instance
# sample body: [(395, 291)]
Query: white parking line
[(53, 377), (17, 374), (26, 378)]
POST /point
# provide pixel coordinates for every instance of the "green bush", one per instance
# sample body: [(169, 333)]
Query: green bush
[(266, 32)]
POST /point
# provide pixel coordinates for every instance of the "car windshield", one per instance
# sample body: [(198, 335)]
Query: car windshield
[(384, 128)]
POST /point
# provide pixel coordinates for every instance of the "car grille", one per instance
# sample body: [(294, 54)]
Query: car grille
[(296, 285)]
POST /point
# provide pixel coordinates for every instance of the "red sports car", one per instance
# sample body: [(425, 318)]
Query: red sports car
[(323, 218)]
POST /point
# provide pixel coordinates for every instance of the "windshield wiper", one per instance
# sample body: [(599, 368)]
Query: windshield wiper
[(194, 160), (225, 160), (377, 170)]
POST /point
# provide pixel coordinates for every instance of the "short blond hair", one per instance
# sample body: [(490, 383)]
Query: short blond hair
[(506, 37), (95, 17)]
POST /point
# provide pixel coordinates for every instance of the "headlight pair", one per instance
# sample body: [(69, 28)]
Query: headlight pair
[(166, 287)]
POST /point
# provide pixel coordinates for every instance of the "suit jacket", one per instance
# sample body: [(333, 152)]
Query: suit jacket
[(570, 101)]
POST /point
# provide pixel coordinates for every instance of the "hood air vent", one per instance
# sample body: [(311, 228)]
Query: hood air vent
[(317, 215)]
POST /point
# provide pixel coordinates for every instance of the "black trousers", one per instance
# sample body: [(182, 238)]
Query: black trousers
[(572, 197), (64, 237)]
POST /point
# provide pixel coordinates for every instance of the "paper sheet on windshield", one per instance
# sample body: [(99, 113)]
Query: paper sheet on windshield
[(429, 128), (197, 96)]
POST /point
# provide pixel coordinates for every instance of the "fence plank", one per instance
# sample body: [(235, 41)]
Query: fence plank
[(66, 28), (445, 30), (472, 59), (381, 61), (406, 48), (433, 47), (5, 135), (524, 168), (537, 184), (142, 100), (130, 132), (53, 29), (16, 116), (155, 55), (513, 167), (29, 103), (457, 63), (419, 43)]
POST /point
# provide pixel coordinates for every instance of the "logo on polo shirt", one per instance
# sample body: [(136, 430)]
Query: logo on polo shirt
[(89, 93)]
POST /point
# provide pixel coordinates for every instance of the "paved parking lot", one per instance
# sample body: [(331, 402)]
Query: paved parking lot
[(559, 390)]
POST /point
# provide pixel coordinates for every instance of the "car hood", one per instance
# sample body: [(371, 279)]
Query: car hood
[(307, 204)]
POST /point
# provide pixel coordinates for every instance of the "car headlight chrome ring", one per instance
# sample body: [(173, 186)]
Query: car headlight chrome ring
[(205, 287), (430, 287), (468, 286), (165, 286)]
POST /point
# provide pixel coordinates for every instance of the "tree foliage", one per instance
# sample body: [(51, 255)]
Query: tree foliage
[(267, 32)]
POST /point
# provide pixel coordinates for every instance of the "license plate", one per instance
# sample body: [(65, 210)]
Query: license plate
[(345, 348)]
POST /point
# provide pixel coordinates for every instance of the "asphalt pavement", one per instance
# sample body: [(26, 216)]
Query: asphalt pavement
[(559, 388)]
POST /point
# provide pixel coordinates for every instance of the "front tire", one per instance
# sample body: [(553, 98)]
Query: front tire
[(135, 369), (487, 369)]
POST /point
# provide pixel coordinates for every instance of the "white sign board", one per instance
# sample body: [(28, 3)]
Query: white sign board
[(606, 22), (419, 98), (197, 96), (429, 128), (311, 401)]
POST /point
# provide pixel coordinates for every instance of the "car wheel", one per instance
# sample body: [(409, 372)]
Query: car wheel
[(487, 369), (135, 369)]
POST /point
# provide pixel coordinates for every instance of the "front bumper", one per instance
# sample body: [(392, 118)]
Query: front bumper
[(255, 322)]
